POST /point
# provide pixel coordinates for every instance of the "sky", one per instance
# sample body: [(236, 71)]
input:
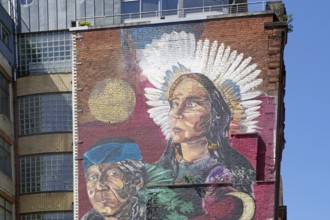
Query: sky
[(306, 158)]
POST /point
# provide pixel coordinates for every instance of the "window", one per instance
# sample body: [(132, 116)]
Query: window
[(130, 9), (45, 113), (43, 53), (148, 8), (4, 96), (48, 216), (47, 172), (169, 7), (5, 158), (195, 6), (25, 2), (6, 208), (4, 35)]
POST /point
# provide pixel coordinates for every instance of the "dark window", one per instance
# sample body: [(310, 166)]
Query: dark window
[(5, 158), (150, 8), (169, 7), (45, 113), (6, 209), (25, 2), (43, 53), (47, 172), (4, 96), (48, 216), (195, 6), (130, 9), (4, 35)]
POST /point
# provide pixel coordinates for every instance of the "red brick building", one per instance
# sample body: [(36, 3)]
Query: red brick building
[(122, 82)]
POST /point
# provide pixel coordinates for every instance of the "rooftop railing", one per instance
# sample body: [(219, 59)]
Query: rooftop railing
[(191, 13)]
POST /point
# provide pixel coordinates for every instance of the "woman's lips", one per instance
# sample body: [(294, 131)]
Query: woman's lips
[(177, 130), (105, 200)]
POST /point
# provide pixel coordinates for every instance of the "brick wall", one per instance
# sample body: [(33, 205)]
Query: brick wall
[(104, 54)]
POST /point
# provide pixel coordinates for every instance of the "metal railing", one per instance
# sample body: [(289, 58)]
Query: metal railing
[(249, 7)]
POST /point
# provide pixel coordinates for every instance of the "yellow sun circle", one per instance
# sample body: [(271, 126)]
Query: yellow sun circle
[(112, 101)]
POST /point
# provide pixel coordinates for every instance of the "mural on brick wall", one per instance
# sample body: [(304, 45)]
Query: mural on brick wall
[(160, 143)]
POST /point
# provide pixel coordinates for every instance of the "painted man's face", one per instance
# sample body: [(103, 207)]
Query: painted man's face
[(104, 187), (189, 117)]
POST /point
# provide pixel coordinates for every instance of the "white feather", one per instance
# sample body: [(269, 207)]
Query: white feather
[(211, 58), (157, 103), (152, 97), (231, 73), (249, 78), (159, 109), (251, 85), (242, 67), (251, 110), (242, 73), (250, 103), (250, 95), (153, 91), (161, 119), (223, 62), (227, 70), (253, 116), (216, 65), (249, 123)]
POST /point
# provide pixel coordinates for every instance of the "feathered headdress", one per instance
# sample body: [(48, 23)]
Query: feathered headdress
[(167, 58)]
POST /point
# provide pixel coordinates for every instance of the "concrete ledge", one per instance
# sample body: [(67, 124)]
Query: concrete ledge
[(7, 185), (276, 24), (55, 201), (46, 143), (59, 82)]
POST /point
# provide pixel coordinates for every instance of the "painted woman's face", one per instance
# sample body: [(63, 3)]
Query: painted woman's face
[(104, 184), (190, 114)]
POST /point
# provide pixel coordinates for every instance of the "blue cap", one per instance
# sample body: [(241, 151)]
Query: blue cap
[(112, 150)]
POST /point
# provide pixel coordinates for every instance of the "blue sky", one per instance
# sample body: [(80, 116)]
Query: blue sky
[(306, 157)]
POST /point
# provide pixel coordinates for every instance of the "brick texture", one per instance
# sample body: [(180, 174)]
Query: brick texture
[(111, 54)]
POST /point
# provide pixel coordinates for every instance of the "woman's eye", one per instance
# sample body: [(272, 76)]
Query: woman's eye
[(112, 172), (92, 178), (191, 104), (174, 104)]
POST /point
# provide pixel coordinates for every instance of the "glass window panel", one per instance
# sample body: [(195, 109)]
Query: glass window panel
[(47, 115), (131, 9), (41, 46), (5, 158), (4, 96), (149, 8), (193, 6), (169, 7), (48, 173), (2, 213), (48, 216), (5, 209)]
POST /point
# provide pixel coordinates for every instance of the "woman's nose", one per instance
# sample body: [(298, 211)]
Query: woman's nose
[(100, 185), (178, 113)]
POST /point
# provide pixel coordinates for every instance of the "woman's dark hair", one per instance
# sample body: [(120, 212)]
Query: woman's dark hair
[(242, 171)]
